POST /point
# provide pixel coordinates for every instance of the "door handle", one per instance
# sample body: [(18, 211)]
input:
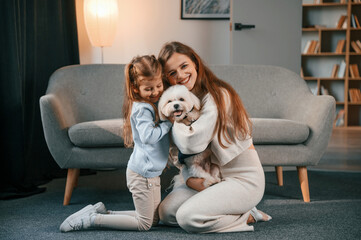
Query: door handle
[(240, 26)]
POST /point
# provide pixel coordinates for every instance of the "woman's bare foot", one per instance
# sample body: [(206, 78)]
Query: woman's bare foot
[(258, 216), (250, 219)]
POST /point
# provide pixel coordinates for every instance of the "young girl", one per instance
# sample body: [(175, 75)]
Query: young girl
[(144, 86), (224, 124)]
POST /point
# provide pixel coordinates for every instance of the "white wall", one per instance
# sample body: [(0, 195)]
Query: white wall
[(145, 25)]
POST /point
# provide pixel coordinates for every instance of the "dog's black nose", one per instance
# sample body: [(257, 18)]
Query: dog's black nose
[(176, 106)]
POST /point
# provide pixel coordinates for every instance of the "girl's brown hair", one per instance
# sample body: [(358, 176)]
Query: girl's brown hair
[(237, 124), (141, 68)]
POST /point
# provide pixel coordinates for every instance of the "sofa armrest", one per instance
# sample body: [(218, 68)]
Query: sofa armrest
[(319, 116), (318, 113), (56, 119)]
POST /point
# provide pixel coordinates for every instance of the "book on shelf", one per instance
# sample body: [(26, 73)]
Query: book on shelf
[(354, 72), (354, 21), (344, 25), (355, 47), (317, 47), (357, 22), (358, 95), (335, 70), (339, 119), (312, 46), (314, 90), (324, 91), (342, 69), (340, 46), (355, 95), (358, 43), (342, 22), (307, 46), (351, 95)]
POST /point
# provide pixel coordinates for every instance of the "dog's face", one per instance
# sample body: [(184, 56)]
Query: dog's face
[(176, 102)]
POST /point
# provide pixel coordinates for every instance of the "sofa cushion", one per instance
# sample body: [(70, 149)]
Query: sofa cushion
[(103, 133), (278, 131), (108, 133)]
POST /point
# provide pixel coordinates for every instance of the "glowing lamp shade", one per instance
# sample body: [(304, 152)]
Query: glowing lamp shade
[(101, 18)]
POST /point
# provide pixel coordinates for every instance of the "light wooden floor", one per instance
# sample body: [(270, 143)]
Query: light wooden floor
[(343, 153)]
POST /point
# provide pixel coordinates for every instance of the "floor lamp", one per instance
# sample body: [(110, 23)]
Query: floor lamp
[(101, 19)]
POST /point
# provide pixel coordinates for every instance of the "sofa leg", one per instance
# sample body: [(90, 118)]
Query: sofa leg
[(279, 175), (71, 180), (76, 178), (302, 176)]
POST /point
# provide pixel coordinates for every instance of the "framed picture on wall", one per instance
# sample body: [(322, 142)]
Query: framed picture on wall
[(205, 9)]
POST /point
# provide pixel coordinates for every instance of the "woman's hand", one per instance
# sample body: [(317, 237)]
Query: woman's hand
[(196, 183)]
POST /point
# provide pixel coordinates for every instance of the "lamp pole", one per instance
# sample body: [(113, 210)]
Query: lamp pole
[(102, 53)]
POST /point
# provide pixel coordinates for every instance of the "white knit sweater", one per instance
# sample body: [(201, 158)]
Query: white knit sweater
[(195, 139)]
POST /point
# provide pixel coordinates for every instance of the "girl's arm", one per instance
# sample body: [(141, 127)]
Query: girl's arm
[(149, 132), (196, 138)]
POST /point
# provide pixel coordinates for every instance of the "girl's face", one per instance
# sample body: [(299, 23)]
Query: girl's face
[(180, 69), (150, 89)]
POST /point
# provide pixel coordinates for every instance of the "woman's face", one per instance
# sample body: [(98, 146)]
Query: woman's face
[(180, 69)]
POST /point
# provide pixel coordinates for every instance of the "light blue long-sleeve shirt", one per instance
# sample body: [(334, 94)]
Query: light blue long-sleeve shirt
[(151, 142)]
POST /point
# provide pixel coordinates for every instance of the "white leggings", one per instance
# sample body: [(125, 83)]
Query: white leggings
[(146, 198), (223, 207)]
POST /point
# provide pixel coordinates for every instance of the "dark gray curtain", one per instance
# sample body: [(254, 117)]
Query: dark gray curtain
[(37, 37)]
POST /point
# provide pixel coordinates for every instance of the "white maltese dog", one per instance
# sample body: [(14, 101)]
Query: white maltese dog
[(183, 106)]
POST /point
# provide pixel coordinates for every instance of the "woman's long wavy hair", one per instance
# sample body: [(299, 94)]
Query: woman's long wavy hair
[(232, 125), (141, 68)]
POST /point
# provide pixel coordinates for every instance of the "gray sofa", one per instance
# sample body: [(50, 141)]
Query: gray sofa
[(82, 119)]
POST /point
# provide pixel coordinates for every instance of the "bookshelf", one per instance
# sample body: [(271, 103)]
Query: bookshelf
[(331, 61)]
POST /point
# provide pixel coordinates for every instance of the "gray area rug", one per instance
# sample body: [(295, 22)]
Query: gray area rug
[(333, 213)]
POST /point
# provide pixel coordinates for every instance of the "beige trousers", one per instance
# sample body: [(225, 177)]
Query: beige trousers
[(146, 198), (223, 207)]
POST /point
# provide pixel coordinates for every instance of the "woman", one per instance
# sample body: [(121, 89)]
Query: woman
[(224, 124)]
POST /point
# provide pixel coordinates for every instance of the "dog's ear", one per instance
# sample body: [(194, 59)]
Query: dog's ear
[(162, 102), (162, 116), (195, 100)]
